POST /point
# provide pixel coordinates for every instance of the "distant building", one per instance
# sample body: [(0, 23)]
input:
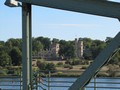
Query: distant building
[(52, 53), (54, 48), (79, 48)]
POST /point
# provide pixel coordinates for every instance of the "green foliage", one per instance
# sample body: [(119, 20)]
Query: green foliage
[(68, 62), (71, 67), (92, 48), (11, 49), (2, 42), (84, 67), (96, 47), (4, 59), (46, 66), (37, 46), (50, 67), (73, 62), (41, 65), (14, 43), (55, 40), (87, 54), (67, 49), (68, 66), (59, 73), (45, 41), (87, 42), (13, 70), (60, 63), (16, 56)]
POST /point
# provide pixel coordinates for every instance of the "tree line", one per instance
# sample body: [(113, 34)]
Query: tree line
[(11, 50)]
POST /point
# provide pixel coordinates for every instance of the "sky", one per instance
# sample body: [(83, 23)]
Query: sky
[(54, 23)]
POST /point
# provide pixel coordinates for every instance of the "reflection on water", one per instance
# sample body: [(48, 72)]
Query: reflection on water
[(14, 83)]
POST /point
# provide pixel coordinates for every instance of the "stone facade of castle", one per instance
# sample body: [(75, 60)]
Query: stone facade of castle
[(53, 52), (79, 48)]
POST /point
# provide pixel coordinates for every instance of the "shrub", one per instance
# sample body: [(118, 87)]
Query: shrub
[(68, 66), (75, 62), (84, 67), (59, 73), (34, 69), (46, 66), (50, 67), (41, 65), (60, 63), (68, 62)]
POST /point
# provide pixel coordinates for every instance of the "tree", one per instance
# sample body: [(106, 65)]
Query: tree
[(2, 43), (66, 49), (69, 48), (2, 48), (87, 42), (37, 46), (16, 56), (45, 41), (55, 40), (4, 59), (97, 47), (87, 54), (13, 43)]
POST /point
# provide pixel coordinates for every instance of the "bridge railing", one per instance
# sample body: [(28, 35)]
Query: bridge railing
[(10, 83), (54, 80), (62, 80)]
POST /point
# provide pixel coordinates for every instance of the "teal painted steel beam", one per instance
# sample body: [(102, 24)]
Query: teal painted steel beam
[(100, 60), (26, 47), (95, 7)]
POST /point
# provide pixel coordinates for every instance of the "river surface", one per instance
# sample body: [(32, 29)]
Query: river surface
[(63, 84)]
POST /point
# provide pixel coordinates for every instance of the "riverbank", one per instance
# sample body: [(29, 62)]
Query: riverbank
[(63, 70)]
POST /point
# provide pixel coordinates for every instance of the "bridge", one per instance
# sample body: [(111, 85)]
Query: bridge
[(95, 7)]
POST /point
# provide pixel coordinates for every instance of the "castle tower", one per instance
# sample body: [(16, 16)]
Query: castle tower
[(54, 50), (76, 45), (79, 48)]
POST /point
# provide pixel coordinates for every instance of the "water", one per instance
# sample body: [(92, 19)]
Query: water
[(109, 83), (10, 83), (64, 83)]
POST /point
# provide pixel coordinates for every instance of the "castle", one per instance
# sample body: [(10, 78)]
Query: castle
[(53, 52), (78, 48)]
